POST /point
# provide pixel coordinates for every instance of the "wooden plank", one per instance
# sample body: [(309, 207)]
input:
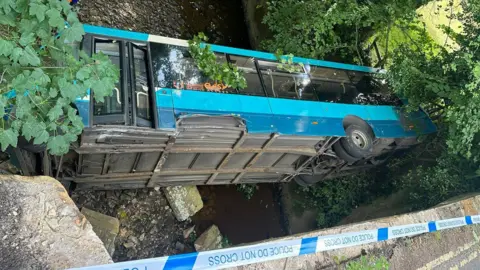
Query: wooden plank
[(238, 177), (264, 148), (161, 160), (105, 164)]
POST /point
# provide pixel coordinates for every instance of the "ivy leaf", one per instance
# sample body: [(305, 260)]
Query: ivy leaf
[(38, 10), (8, 137), (29, 57), (16, 54), (40, 77), (55, 18), (27, 39), (83, 73), (24, 107), (8, 19), (6, 47), (55, 112), (58, 145), (72, 113), (53, 92), (33, 128), (74, 33), (17, 125), (7, 5), (72, 17), (41, 137), (102, 88)]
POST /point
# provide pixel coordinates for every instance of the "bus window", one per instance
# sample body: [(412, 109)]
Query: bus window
[(141, 83), (328, 74), (174, 68), (247, 65), (332, 91), (113, 104), (284, 84)]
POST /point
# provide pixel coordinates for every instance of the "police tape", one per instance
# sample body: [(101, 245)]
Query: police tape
[(236, 256)]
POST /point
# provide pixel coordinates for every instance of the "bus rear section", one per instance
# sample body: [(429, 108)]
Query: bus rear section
[(168, 124)]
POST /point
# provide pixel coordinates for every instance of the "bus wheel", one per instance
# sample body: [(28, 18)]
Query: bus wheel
[(305, 180), (359, 140), (342, 154)]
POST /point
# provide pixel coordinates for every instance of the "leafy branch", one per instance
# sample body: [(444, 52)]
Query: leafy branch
[(285, 62), (207, 62), (40, 77)]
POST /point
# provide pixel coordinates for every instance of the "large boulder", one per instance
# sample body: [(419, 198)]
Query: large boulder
[(106, 227), (41, 228), (185, 201), (209, 240)]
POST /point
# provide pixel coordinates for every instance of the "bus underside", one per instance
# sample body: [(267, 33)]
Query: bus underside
[(205, 150)]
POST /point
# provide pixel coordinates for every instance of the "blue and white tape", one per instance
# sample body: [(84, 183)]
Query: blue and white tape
[(236, 256)]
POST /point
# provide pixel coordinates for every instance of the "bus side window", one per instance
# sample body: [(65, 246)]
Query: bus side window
[(247, 65), (284, 84), (174, 68), (112, 104), (332, 91)]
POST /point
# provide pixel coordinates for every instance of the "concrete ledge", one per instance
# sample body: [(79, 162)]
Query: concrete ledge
[(456, 207)]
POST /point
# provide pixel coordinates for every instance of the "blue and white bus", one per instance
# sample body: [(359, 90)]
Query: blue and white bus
[(168, 124)]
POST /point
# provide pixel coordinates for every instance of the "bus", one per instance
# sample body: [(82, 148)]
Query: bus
[(168, 124)]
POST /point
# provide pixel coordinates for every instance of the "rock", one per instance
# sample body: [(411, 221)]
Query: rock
[(187, 232), (185, 201), (133, 239), (129, 244), (104, 226), (179, 246), (48, 232), (209, 240)]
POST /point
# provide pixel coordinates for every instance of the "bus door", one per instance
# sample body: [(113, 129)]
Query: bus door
[(131, 101)]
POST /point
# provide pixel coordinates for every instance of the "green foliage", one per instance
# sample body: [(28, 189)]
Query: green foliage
[(428, 186), (446, 82), (335, 199), (248, 190), (226, 242), (37, 64), (369, 263), (315, 29), (286, 62), (206, 61)]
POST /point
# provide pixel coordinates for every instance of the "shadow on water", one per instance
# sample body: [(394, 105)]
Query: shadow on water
[(222, 21), (239, 219)]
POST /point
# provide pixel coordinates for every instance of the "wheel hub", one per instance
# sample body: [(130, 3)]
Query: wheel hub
[(359, 139)]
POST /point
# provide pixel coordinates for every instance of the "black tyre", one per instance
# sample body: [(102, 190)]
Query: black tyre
[(342, 154), (359, 140), (308, 180)]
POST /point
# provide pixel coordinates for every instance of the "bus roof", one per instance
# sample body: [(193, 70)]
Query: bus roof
[(104, 31)]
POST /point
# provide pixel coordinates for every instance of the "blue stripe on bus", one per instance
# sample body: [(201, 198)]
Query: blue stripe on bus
[(292, 117), (98, 30), (270, 56)]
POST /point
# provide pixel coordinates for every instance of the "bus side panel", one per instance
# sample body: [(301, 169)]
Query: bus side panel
[(254, 110), (390, 122), (166, 117), (296, 117)]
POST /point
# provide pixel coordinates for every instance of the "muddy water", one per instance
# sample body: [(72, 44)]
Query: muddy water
[(221, 20), (239, 219)]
